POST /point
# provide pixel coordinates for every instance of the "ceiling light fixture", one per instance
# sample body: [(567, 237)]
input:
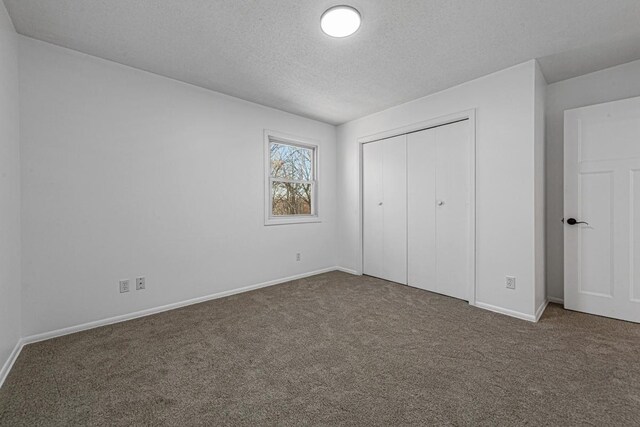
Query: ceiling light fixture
[(340, 21)]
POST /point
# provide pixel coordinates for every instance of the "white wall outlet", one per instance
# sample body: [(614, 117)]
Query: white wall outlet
[(510, 282), (298, 256), (140, 283), (124, 286)]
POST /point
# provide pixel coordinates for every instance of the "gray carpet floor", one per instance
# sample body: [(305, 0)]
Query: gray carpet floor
[(332, 349)]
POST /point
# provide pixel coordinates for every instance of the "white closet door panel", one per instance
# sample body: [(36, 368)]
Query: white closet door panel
[(453, 210), (372, 209), (394, 182), (421, 173)]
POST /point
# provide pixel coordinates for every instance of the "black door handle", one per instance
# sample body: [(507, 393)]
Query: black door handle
[(573, 221)]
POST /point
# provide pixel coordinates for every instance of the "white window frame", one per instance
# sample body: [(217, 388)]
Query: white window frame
[(279, 137)]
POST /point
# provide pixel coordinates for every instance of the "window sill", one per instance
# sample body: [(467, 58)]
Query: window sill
[(292, 220)]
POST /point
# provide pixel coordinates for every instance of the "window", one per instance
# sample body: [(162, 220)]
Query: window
[(291, 167)]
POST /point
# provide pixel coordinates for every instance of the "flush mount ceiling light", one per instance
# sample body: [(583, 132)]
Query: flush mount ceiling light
[(340, 21)]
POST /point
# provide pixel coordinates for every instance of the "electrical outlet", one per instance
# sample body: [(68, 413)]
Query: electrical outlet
[(140, 283), (124, 286), (298, 256), (510, 282)]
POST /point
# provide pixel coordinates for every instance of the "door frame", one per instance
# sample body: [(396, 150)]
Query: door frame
[(469, 115)]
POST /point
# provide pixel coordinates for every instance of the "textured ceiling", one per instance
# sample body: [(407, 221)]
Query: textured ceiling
[(273, 52)]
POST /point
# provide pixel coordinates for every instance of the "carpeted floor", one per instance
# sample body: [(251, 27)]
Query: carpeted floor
[(332, 349)]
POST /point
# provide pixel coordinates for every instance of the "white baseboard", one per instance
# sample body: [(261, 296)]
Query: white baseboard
[(130, 316), (348, 270), (541, 309), (556, 300), (518, 315), (10, 361), (501, 310)]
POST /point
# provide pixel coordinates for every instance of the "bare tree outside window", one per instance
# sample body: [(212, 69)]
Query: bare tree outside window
[(292, 179)]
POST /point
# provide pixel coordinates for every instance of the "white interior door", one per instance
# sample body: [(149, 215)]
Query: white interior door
[(602, 188), (385, 209), (439, 209)]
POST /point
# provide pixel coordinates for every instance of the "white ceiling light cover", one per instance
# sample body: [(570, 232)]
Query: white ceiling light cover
[(340, 21)]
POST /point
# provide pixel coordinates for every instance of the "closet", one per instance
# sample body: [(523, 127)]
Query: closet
[(417, 210)]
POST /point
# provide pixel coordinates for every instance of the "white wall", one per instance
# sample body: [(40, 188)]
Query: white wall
[(127, 173), (603, 86), (9, 191), (539, 149), (505, 103)]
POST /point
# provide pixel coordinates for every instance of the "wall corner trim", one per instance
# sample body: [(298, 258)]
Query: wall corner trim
[(506, 311), (541, 309), (6, 368), (348, 270)]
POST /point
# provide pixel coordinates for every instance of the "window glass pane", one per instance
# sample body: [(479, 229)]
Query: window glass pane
[(291, 162), (290, 198)]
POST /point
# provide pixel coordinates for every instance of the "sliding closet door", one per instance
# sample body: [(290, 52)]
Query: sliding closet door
[(453, 209), (394, 181), (421, 196), (385, 209), (439, 209), (372, 218)]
